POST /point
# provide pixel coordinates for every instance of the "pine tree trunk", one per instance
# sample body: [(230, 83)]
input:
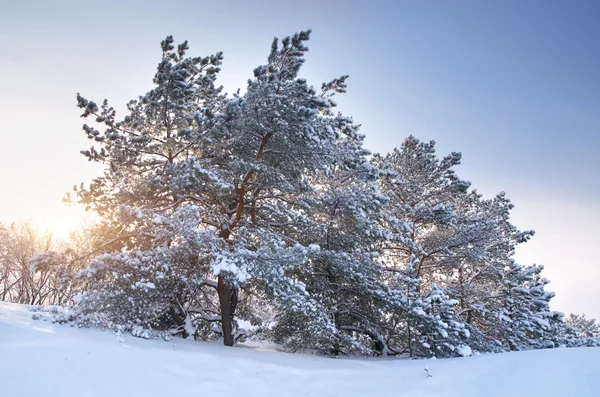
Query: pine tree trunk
[(410, 346), (228, 301), (228, 295)]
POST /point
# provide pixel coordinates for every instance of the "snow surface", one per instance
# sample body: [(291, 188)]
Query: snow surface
[(39, 358)]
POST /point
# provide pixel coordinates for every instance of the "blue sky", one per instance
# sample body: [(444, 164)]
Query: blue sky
[(513, 85)]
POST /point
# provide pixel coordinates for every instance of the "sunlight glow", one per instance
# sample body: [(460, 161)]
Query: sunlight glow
[(64, 219)]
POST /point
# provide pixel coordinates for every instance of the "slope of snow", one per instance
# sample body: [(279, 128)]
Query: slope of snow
[(38, 358)]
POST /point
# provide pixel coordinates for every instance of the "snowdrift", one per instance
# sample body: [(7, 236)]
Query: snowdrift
[(39, 358)]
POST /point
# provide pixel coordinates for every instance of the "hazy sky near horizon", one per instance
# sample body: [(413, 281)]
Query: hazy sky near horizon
[(513, 85)]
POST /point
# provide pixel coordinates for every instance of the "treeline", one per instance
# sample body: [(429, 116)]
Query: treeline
[(264, 206), (36, 268)]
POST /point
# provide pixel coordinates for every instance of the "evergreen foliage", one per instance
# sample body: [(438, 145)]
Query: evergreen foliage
[(264, 206)]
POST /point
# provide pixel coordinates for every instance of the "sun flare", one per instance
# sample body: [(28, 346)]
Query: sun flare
[(63, 220)]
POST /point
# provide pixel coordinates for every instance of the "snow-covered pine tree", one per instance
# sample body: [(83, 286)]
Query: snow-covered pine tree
[(158, 197), (584, 327), (214, 206), (577, 330), (424, 235), (312, 185), (441, 233), (476, 281), (201, 192), (344, 276), (526, 321), (444, 334)]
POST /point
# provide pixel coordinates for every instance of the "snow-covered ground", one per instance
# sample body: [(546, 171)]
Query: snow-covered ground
[(39, 358)]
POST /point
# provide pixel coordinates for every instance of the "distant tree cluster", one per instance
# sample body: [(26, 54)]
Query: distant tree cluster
[(36, 268), (265, 207)]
